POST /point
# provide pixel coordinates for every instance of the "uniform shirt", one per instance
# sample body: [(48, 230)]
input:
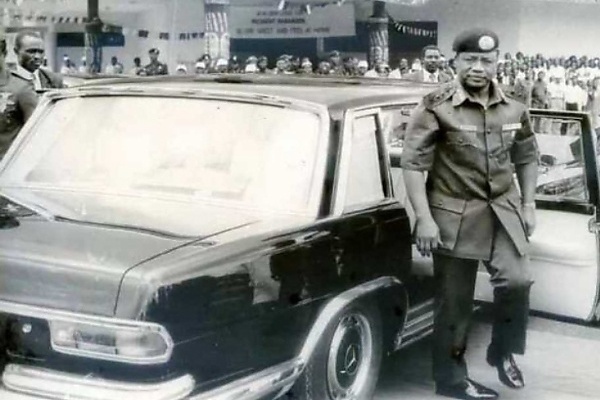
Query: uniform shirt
[(469, 152), (539, 94), (17, 102), (156, 68)]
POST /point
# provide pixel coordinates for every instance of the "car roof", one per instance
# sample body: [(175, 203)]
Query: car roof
[(336, 93)]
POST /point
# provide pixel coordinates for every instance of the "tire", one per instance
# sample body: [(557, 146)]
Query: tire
[(347, 359)]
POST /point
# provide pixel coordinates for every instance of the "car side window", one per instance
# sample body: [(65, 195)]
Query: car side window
[(394, 122), (561, 174), (365, 183)]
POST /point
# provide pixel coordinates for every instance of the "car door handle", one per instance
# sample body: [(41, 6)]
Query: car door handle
[(593, 225)]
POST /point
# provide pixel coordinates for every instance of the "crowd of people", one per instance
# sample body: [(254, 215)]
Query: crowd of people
[(563, 83), (333, 64)]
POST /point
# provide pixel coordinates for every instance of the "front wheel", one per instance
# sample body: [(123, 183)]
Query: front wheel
[(347, 359)]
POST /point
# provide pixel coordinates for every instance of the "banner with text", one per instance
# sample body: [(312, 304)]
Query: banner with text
[(295, 22)]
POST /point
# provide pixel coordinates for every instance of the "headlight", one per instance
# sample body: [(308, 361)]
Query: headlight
[(128, 342)]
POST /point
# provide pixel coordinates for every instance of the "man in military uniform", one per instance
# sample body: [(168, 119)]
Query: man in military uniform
[(29, 48), (467, 136), (17, 101), (155, 67)]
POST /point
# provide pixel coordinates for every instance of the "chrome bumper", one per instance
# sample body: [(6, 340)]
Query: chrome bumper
[(30, 383), (274, 380)]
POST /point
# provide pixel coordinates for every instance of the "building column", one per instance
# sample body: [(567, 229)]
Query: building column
[(378, 34), (50, 47), (93, 29), (217, 28)]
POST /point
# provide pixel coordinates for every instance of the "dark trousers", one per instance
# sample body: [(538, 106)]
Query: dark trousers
[(455, 285)]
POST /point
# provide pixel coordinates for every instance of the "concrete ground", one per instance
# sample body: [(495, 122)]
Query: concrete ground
[(562, 363)]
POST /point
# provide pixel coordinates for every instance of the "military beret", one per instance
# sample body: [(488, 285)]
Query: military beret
[(477, 40), (154, 50)]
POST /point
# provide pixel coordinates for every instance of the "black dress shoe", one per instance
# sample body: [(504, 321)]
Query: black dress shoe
[(508, 370), (467, 390)]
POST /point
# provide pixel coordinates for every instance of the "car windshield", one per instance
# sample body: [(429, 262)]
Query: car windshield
[(248, 156)]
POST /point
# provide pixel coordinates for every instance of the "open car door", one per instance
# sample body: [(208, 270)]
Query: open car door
[(564, 248)]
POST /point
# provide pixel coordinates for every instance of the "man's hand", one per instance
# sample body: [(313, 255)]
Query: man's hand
[(427, 236), (529, 218)]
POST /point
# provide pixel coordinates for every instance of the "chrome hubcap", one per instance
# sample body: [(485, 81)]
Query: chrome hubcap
[(350, 357)]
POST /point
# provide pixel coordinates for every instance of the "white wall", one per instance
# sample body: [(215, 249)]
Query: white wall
[(125, 54), (553, 28), (189, 17), (170, 16), (558, 29)]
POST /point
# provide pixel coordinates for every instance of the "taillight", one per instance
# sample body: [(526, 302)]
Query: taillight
[(123, 341)]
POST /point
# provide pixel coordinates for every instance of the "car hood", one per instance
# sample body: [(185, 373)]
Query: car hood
[(79, 266)]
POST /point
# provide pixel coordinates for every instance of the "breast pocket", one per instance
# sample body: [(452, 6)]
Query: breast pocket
[(463, 138)]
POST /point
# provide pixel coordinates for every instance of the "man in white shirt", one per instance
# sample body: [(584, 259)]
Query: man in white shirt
[(431, 67), (115, 67), (556, 92), (573, 96), (83, 67), (67, 67), (362, 68), (401, 70), (556, 71)]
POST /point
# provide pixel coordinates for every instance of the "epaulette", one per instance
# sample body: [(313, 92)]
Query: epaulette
[(439, 95)]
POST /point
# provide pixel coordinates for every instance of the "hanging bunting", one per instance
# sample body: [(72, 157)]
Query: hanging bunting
[(406, 29)]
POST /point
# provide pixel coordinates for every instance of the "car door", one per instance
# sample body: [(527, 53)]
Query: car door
[(372, 228), (564, 247)]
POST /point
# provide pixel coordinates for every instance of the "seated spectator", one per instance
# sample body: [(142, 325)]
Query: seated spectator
[(137, 66), (401, 70), (234, 65), (362, 67), (221, 66), (324, 68), (181, 69), (200, 68), (349, 66), (115, 67), (306, 66), (251, 67), (283, 65), (83, 67), (416, 65), (263, 65)]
